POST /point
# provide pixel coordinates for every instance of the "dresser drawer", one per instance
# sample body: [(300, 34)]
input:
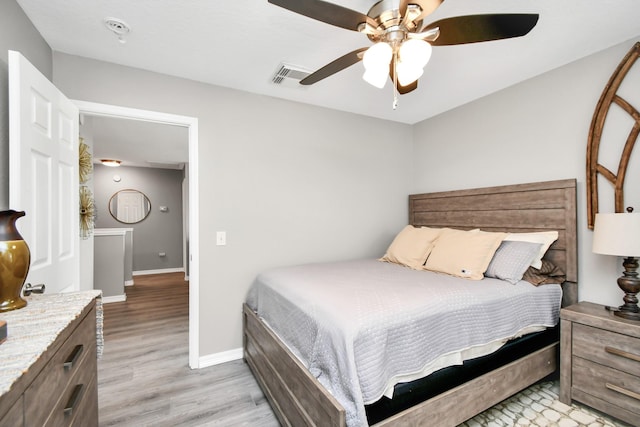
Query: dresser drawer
[(15, 416), (77, 354), (77, 398), (86, 414), (607, 348), (607, 384)]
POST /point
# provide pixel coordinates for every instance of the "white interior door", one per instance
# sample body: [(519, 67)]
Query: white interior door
[(43, 175)]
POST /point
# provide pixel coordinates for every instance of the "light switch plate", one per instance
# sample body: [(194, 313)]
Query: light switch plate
[(221, 238)]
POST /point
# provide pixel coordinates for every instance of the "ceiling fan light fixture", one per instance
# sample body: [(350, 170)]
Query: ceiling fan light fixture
[(408, 73), (393, 23), (413, 55), (376, 62), (377, 56), (376, 77), (416, 52), (112, 163)]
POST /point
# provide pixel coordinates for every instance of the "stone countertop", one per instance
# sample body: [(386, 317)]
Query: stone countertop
[(32, 329)]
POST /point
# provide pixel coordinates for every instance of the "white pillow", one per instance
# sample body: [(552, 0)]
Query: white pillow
[(546, 238)]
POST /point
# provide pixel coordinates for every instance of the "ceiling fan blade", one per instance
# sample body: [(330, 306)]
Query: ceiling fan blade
[(428, 7), (333, 67), (402, 89), (402, 7), (482, 28), (326, 12)]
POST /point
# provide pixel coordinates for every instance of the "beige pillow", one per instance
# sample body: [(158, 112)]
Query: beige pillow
[(546, 238), (463, 253), (412, 246)]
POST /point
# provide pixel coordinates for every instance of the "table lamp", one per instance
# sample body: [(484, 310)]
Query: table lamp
[(619, 234)]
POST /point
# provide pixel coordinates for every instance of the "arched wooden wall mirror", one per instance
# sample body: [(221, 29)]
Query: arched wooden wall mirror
[(612, 98), (129, 206)]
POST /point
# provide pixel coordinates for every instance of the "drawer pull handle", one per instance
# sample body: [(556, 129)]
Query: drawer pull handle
[(631, 394), (73, 357), (622, 353), (73, 400)]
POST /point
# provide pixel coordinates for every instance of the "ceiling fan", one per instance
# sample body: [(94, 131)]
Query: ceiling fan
[(402, 45)]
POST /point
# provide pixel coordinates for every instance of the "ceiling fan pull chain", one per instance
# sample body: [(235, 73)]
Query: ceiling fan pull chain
[(395, 81)]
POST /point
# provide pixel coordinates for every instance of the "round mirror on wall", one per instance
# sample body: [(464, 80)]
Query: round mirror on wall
[(129, 206)]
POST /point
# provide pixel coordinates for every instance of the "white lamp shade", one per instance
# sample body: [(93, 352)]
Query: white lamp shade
[(378, 57), (415, 52), (376, 77), (408, 73), (617, 234), (376, 62)]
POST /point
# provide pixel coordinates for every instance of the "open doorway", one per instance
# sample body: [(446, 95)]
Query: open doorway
[(142, 196), (191, 218)]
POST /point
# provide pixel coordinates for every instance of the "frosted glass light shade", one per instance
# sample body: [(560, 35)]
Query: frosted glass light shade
[(413, 56), (617, 234), (376, 77), (408, 73), (415, 53), (376, 62), (377, 56)]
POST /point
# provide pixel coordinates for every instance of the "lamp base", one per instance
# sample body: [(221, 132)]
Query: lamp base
[(630, 284), (618, 311)]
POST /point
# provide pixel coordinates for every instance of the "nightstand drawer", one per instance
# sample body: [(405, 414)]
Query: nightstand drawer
[(607, 348), (610, 385)]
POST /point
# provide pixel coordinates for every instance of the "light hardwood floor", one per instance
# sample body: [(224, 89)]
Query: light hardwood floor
[(144, 378)]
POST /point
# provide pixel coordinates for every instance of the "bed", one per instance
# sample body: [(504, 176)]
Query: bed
[(299, 398)]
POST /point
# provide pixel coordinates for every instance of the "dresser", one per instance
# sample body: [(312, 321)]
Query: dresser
[(48, 364), (600, 361)]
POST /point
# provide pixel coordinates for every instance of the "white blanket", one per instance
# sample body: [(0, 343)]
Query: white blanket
[(362, 326)]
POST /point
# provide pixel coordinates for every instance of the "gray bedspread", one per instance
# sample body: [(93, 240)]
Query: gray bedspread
[(361, 326)]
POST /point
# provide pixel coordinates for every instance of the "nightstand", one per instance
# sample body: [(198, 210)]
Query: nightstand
[(600, 361)]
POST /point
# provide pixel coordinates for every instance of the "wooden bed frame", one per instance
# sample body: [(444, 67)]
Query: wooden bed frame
[(298, 399)]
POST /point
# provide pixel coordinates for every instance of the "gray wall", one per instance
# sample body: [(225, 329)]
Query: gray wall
[(160, 231), (16, 33), (535, 131), (288, 182)]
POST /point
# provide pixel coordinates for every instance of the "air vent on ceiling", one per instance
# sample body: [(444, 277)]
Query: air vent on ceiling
[(289, 75)]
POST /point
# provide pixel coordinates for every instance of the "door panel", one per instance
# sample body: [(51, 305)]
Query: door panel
[(43, 174)]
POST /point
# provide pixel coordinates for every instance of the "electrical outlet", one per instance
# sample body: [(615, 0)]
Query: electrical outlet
[(221, 238)]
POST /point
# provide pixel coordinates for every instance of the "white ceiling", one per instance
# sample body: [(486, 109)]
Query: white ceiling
[(240, 44), (139, 143)]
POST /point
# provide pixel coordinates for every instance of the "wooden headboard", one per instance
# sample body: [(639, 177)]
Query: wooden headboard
[(539, 206)]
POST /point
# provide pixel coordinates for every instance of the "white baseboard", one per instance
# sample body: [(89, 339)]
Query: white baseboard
[(218, 358), (114, 298), (161, 271), (129, 283)]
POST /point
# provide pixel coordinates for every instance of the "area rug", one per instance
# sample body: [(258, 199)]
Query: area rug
[(539, 406)]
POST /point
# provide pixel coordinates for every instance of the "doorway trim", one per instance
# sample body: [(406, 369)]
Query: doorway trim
[(191, 123)]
